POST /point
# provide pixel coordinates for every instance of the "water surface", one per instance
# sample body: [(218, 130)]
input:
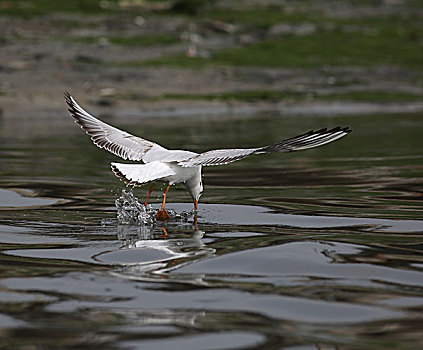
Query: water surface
[(316, 249)]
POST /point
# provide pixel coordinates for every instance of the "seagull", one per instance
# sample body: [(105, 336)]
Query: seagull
[(178, 166)]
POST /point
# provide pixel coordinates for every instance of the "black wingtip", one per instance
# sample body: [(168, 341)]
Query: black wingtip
[(72, 107), (67, 96), (68, 99), (308, 140), (346, 129)]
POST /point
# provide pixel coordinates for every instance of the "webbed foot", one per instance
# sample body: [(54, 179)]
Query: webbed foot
[(162, 215)]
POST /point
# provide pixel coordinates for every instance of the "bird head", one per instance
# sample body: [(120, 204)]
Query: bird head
[(195, 189)]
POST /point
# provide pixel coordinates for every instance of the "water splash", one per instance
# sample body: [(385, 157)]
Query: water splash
[(131, 212)]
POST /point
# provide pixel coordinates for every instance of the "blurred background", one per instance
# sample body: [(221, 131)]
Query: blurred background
[(129, 58)]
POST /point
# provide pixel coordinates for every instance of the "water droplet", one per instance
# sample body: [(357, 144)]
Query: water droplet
[(131, 212)]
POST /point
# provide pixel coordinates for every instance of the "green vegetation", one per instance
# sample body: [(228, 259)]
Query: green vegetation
[(372, 40), (240, 95), (386, 43), (333, 48), (374, 96), (377, 40), (144, 40), (191, 7), (275, 96), (260, 17), (29, 8)]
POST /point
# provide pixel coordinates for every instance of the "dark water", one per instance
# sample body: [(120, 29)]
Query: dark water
[(311, 250)]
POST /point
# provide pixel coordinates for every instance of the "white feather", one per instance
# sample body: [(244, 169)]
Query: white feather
[(142, 173)]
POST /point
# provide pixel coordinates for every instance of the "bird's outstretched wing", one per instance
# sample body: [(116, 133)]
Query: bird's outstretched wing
[(301, 142), (112, 139)]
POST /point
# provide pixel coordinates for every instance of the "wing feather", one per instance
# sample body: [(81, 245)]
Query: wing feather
[(139, 174), (301, 142), (308, 140), (116, 141), (218, 157)]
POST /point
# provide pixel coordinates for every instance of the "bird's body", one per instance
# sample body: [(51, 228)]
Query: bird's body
[(169, 172), (178, 166)]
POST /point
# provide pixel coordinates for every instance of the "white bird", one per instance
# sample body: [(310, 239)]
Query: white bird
[(178, 166)]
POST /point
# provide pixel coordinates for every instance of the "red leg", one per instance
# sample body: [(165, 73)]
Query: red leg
[(195, 222), (149, 193), (163, 214), (164, 231), (195, 215)]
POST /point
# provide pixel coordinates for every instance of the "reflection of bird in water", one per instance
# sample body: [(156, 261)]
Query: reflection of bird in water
[(148, 236), (162, 317), (178, 166), (168, 254)]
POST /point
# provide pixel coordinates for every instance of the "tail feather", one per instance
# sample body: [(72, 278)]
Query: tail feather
[(139, 174)]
